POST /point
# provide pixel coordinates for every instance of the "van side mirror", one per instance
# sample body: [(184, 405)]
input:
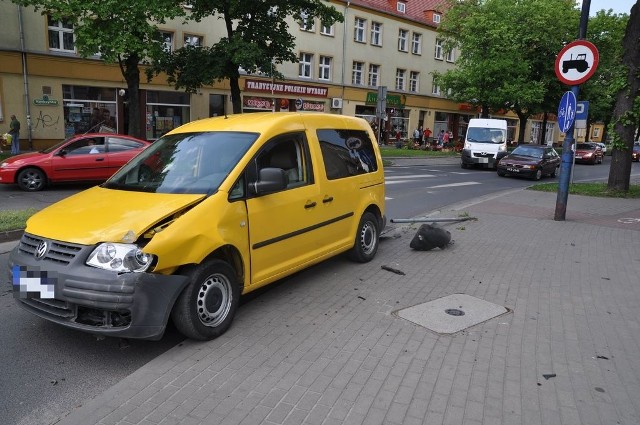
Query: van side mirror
[(270, 180)]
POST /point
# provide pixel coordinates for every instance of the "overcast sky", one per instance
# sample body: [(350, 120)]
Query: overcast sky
[(618, 6)]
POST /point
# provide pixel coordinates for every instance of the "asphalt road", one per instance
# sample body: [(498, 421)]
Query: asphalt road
[(48, 370)]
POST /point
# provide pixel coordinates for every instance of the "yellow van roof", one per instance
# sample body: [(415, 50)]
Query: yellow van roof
[(260, 122)]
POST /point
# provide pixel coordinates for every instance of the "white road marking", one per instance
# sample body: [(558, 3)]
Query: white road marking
[(453, 185), (410, 176)]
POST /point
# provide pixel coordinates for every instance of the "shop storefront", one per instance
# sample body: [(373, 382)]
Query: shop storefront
[(89, 109), (396, 116), (166, 110), (283, 97)]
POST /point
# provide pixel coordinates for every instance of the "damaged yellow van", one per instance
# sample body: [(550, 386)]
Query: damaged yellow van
[(214, 209)]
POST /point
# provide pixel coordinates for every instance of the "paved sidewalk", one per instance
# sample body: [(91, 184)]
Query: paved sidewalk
[(325, 347)]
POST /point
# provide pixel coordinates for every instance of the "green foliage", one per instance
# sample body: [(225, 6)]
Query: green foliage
[(115, 29), (507, 51), (605, 31), (258, 39)]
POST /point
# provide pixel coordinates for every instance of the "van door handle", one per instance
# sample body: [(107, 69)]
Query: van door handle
[(309, 205), (327, 199)]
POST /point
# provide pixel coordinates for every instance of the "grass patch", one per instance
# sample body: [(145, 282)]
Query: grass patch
[(13, 220), (591, 189)]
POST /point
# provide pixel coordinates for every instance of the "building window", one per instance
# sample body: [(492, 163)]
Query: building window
[(435, 89), (436, 18), (414, 81), (193, 40), (402, 40), (400, 79), (356, 75), (450, 56), (374, 75), (307, 23), (167, 41), (166, 110), (438, 52), (359, 34), (326, 29), (416, 44), (305, 60), (401, 7), (324, 68), (61, 37), (376, 33)]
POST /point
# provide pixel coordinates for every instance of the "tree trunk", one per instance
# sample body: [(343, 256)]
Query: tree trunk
[(523, 117), (624, 129), (543, 130), (236, 100), (131, 74)]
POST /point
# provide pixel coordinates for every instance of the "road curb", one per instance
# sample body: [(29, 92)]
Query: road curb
[(11, 235)]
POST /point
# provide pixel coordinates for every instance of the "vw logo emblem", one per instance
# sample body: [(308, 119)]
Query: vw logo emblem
[(41, 250), (483, 153)]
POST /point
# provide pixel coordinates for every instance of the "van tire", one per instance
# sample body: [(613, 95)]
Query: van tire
[(367, 239), (205, 308)]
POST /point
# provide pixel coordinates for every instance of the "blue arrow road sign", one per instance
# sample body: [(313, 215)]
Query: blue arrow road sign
[(566, 111)]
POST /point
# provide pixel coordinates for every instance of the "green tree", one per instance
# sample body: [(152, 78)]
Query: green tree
[(257, 40), (626, 113), (122, 32), (507, 53), (605, 31)]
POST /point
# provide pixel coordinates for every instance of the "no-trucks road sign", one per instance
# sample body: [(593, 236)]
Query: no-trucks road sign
[(577, 62)]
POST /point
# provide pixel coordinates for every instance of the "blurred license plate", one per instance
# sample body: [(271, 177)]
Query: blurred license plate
[(513, 170), (33, 283), (483, 160), (578, 157)]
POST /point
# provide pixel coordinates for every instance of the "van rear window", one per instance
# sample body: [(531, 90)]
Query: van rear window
[(346, 153)]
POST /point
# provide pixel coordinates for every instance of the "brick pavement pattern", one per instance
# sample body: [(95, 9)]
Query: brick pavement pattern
[(324, 347)]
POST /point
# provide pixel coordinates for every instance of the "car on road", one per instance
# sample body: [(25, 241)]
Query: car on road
[(635, 153), (588, 153), (603, 147), (213, 209), (80, 158), (532, 161)]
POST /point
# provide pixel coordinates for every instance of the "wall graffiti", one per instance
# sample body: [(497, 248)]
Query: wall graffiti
[(46, 120)]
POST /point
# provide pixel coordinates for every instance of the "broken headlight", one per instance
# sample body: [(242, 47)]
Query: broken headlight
[(120, 257)]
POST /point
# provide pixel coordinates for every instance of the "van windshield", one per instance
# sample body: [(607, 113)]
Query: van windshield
[(195, 163), (486, 135)]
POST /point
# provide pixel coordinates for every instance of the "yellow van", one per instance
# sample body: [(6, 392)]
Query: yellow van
[(214, 209)]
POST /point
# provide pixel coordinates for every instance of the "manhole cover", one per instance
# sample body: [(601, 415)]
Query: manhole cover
[(436, 315)]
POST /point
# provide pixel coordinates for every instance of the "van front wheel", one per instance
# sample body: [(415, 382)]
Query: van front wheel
[(367, 238), (205, 309)]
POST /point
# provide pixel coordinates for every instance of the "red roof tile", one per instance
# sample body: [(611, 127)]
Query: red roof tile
[(416, 10)]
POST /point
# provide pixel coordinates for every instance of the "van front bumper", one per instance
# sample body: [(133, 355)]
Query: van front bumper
[(59, 287), (482, 159)]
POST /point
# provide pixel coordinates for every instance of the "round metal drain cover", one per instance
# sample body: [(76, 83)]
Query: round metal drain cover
[(454, 312)]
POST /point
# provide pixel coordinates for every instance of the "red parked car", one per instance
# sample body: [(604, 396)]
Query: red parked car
[(635, 153), (588, 153), (84, 157)]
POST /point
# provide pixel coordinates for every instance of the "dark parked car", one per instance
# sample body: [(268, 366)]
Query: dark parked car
[(588, 153), (533, 161), (85, 157), (635, 154)]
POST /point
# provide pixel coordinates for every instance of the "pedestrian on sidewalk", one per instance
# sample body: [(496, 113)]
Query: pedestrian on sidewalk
[(14, 131)]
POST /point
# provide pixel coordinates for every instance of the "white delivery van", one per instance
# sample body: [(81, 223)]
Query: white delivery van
[(485, 143)]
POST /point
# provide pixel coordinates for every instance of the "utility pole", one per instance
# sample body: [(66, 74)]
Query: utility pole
[(567, 145)]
